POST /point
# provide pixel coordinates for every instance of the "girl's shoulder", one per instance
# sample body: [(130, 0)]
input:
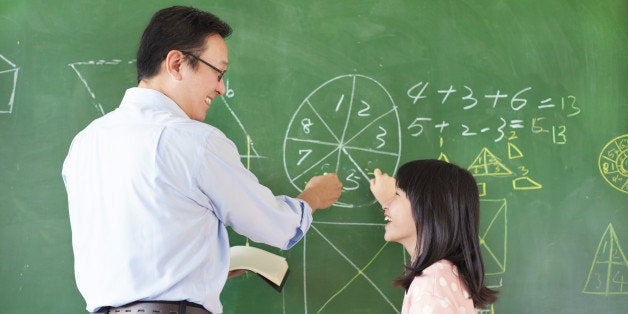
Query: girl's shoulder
[(441, 285)]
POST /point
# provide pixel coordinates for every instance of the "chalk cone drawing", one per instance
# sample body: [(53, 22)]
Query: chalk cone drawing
[(8, 82), (349, 125), (609, 270), (106, 81), (613, 163), (487, 164)]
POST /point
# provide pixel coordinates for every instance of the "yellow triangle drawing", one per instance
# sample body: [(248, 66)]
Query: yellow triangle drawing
[(525, 183), (487, 164), (443, 157), (609, 270), (513, 151)]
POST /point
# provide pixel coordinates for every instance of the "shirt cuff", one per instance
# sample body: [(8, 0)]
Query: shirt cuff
[(304, 226)]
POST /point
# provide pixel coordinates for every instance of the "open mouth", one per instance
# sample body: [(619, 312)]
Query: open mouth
[(208, 101)]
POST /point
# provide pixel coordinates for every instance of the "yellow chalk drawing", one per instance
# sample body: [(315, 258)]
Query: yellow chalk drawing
[(493, 235), (513, 151), (489, 310), (442, 155), (609, 270), (482, 188), (613, 163), (487, 164), (525, 183)]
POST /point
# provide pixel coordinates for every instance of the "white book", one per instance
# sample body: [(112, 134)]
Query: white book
[(270, 266)]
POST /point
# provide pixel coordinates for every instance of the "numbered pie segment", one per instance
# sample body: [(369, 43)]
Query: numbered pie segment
[(350, 126)]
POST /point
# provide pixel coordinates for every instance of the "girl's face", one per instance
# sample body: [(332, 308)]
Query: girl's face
[(399, 222)]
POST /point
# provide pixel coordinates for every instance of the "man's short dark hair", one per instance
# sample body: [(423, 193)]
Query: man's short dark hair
[(176, 28)]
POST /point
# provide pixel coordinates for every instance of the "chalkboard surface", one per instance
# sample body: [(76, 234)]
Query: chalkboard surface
[(528, 95)]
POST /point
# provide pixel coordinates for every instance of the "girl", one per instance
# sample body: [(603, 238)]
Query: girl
[(433, 210)]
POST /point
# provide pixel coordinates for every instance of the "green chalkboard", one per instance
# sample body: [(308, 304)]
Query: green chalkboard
[(529, 95)]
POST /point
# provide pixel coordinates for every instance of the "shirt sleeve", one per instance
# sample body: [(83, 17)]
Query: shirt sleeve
[(238, 199)]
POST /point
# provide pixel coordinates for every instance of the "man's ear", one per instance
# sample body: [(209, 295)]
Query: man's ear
[(173, 63)]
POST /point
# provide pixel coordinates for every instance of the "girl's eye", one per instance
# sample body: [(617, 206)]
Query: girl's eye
[(396, 193)]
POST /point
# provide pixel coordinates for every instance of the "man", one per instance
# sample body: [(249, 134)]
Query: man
[(151, 188)]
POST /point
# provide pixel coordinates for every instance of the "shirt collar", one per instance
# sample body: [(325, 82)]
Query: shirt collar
[(146, 97)]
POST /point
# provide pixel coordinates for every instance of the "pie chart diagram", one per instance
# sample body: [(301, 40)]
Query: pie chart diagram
[(349, 125)]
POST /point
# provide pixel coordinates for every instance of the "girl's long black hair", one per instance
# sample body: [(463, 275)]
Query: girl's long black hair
[(446, 211)]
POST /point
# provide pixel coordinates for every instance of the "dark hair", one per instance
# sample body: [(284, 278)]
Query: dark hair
[(446, 210), (175, 28)]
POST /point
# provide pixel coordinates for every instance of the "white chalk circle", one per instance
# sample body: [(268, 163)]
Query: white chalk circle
[(349, 125)]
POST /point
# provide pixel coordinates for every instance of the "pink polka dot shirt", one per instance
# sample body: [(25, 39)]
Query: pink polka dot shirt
[(438, 290)]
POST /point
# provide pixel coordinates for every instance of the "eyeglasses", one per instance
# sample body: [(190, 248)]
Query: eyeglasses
[(221, 72)]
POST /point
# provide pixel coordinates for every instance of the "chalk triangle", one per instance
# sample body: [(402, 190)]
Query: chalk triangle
[(609, 269)]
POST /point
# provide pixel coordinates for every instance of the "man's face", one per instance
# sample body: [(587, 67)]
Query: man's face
[(201, 85)]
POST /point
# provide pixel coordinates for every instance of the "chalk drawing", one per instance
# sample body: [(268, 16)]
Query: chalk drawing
[(337, 288), (106, 81), (493, 242), (609, 270), (8, 82), (487, 164), (489, 310), (494, 237), (347, 125), (442, 155), (613, 163)]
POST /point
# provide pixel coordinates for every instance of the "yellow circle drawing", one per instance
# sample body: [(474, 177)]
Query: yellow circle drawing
[(613, 163)]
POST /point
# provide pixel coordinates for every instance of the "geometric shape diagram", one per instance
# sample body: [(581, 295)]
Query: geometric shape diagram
[(347, 125), (609, 270), (513, 151), (107, 81), (613, 163), (487, 164), (525, 183), (494, 235), (221, 115), (355, 252), (8, 82)]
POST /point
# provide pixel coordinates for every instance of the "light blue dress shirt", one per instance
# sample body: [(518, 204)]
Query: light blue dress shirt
[(150, 193)]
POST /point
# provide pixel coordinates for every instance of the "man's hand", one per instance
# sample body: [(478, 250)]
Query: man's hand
[(322, 191), (383, 187)]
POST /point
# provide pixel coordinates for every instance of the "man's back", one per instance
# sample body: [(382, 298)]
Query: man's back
[(138, 221)]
